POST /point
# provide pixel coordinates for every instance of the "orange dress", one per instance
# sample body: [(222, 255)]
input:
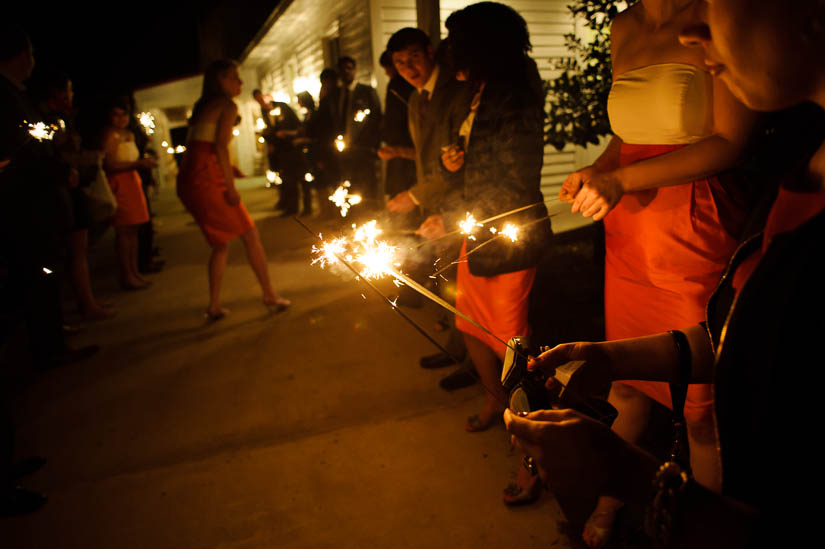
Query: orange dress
[(499, 303), (665, 248), (128, 189), (200, 188)]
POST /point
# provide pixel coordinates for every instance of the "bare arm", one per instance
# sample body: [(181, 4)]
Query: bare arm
[(225, 124)]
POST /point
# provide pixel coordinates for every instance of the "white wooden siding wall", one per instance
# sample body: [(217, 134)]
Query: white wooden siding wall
[(292, 47), (548, 21), (388, 16)]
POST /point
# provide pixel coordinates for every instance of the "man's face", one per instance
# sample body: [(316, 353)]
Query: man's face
[(415, 64), (347, 71)]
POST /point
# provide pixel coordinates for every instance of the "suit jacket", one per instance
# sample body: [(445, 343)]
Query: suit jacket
[(359, 136), (437, 127)]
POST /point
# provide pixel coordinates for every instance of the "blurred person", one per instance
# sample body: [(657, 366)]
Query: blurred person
[(35, 211), (500, 148), (361, 138), (395, 133), (121, 161), (304, 146), (671, 223), (206, 185), (322, 131), (52, 90)]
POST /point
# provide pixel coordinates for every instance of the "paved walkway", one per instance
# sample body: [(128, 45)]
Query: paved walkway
[(311, 428)]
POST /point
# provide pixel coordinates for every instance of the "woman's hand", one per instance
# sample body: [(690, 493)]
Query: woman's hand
[(232, 197), (598, 196), (591, 378), (433, 227), (401, 203), (452, 157), (571, 186), (579, 455), (387, 152)]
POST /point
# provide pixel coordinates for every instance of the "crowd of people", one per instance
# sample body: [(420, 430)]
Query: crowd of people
[(712, 303)]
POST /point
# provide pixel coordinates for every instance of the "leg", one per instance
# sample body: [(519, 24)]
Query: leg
[(79, 269), (133, 254), (488, 366), (257, 260), (704, 456), (217, 266), (124, 248), (634, 411)]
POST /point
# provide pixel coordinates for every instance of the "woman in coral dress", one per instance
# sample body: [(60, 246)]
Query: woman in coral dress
[(121, 162), (206, 185), (672, 223)]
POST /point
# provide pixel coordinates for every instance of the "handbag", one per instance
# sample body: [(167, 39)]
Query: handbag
[(502, 255), (102, 202)]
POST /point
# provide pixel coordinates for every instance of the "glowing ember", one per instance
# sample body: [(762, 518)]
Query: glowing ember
[(510, 231), (41, 131), (343, 198), (468, 225), (361, 115), (493, 230), (339, 143), (375, 258), (147, 121)]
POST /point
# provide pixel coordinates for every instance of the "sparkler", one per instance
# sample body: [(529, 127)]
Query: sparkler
[(260, 125), (339, 143), (344, 199), (272, 178), (275, 112), (164, 144), (147, 120), (261, 140), (308, 177), (41, 131), (361, 115), (170, 150), (236, 132), (180, 149)]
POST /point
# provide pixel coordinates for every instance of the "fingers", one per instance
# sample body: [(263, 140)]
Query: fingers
[(548, 361), (570, 187), (529, 428)]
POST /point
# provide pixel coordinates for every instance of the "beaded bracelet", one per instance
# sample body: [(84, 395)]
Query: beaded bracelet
[(670, 484)]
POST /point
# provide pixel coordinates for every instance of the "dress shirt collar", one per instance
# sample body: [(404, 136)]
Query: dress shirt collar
[(430, 85)]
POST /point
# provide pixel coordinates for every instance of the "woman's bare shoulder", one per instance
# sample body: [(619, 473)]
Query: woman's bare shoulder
[(217, 108), (626, 22)]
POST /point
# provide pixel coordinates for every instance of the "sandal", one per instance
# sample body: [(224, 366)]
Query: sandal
[(214, 317), (519, 495), (278, 305)]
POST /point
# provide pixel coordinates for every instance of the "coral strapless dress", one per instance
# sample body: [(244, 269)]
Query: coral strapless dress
[(665, 248), (128, 189), (201, 187)]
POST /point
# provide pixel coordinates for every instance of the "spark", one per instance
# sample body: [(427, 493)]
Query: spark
[(272, 178), (510, 231), (47, 270), (41, 131), (164, 144), (397, 282), (394, 302), (373, 257), (468, 224), (261, 140), (493, 230), (62, 124), (147, 120), (170, 150), (308, 177), (361, 115), (328, 252), (343, 198), (339, 143)]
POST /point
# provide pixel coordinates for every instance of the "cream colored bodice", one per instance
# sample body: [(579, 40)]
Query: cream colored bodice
[(204, 131), (127, 151), (663, 104)]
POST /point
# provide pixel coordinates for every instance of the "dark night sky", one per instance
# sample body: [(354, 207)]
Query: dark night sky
[(118, 46)]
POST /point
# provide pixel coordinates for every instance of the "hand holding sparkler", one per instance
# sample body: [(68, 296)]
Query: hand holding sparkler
[(452, 156), (433, 227), (592, 192), (401, 203)]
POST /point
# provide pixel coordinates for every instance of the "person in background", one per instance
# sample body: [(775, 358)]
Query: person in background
[(121, 161), (395, 133), (304, 146), (436, 109), (52, 90), (206, 186), (360, 129), (321, 131)]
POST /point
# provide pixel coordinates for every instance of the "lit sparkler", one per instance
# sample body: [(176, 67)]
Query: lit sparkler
[(180, 149), (361, 115), (343, 199), (468, 225), (147, 120), (164, 144), (261, 140), (236, 132), (272, 178), (308, 177), (41, 131), (260, 125), (339, 143), (170, 150), (275, 112), (510, 231)]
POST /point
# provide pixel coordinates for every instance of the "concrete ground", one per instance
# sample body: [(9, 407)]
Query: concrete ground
[(311, 428)]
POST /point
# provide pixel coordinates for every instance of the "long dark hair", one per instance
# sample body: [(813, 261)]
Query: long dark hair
[(490, 41), (212, 83)]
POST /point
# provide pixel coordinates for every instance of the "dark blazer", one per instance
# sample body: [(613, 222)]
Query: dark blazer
[(437, 127), (365, 135), (400, 172)]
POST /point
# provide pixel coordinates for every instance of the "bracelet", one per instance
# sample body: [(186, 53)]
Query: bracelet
[(669, 484)]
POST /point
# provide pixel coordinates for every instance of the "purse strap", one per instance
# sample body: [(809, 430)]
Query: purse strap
[(678, 395)]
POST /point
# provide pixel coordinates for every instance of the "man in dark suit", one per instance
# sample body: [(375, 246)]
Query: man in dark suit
[(436, 110), (358, 120), (400, 172), (283, 156)]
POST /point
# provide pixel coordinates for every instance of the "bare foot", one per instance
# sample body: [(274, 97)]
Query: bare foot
[(276, 304), (599, 526)]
